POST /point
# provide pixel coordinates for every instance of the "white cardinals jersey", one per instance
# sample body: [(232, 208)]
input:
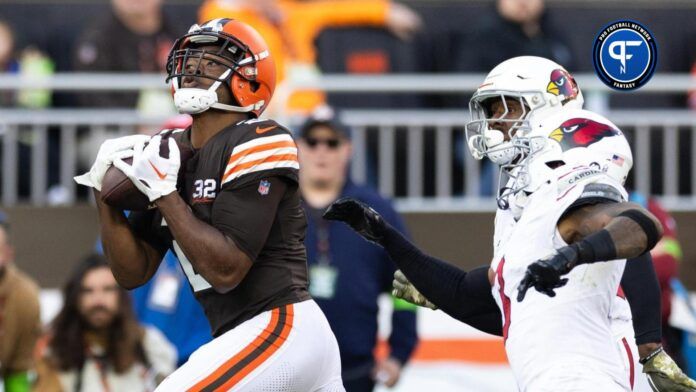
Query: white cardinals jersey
[(565, 342)]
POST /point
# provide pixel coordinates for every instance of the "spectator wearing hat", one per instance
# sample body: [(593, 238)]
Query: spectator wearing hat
[(20, 323), (348, 274)]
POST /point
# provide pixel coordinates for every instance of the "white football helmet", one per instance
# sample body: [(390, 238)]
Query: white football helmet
[(541, 86), (568, 139)]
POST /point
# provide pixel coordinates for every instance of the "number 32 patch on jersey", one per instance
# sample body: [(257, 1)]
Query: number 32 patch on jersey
[(264, 187)]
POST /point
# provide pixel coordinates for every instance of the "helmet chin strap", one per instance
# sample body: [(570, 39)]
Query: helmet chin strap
[(198, 100)]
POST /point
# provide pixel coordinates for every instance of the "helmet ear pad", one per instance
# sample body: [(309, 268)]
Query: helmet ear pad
[(247, 88)]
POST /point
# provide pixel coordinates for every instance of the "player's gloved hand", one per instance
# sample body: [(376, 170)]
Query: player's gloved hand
[(152, 173), (545, 274), (118, 148), (664, 374), (359, 216), (404, 289)]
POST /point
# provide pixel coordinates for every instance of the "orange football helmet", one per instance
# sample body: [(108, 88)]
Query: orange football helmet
[(250, 74)]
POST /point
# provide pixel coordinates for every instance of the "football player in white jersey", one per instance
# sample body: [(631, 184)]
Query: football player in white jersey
[(499, 116), (561, 168)]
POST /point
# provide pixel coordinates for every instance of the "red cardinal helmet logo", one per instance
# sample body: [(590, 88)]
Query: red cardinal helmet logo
[(562, 84), (581, 132)]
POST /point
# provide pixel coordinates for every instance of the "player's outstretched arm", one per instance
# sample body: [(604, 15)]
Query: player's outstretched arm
[(463, 295), (598, 232), (490, 322), (132, 259)]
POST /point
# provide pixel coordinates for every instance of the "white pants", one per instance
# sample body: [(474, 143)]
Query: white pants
[(287, 349), (626, 344), (579, 377)]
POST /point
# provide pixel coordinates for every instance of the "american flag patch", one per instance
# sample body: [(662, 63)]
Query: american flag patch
[(264, 187), (617, 160)]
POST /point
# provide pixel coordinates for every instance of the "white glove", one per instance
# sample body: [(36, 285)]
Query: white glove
[(152, 174), (108, 151)]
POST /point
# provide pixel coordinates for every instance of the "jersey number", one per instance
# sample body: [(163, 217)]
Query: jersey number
[(204, 189)]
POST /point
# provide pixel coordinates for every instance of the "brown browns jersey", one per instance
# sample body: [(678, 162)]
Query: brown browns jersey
[(244, 182)]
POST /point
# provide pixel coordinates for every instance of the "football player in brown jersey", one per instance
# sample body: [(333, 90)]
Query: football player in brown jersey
[(232, 215)]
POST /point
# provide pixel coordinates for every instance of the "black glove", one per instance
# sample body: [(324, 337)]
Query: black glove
[(359, 216), (545, 274)]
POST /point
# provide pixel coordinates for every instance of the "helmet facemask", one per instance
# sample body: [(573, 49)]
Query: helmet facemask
[(483, 139), (516, 176)]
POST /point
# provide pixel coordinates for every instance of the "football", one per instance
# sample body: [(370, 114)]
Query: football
[(120, 192)]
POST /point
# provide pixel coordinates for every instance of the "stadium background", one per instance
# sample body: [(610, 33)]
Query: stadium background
[(451, 221)]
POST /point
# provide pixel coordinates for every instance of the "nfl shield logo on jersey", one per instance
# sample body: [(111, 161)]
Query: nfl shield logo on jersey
[(264, 187)]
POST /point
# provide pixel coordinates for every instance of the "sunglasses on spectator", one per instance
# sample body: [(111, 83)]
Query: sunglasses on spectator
[(330, 143)]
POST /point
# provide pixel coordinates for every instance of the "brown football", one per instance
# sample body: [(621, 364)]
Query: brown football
[(120, 192)]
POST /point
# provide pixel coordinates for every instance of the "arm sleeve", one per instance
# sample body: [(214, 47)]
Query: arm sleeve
[(464, 296), (642, 290), (245, 214)]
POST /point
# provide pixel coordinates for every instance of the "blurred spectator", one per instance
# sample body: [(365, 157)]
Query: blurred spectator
[(8, 61), (29, 63), (692, 93), (96, 344), (290, 28), (346, 273), (666, 255), (167, 303), (135, 36), (20, 324), (517, 28), (690, 51)]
